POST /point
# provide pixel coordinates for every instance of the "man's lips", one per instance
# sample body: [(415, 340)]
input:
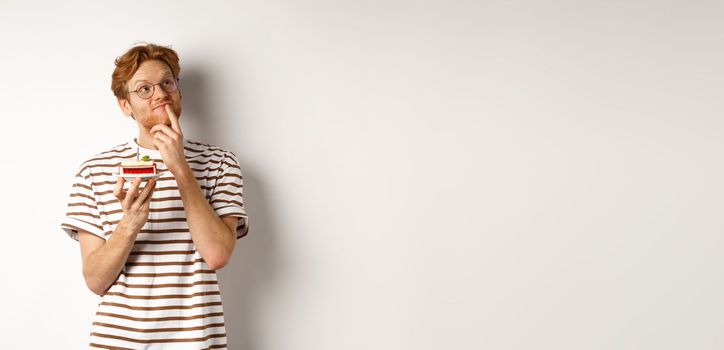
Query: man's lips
[(161, 105)]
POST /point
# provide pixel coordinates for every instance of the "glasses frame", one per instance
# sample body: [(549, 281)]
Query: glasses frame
[(153, 88)]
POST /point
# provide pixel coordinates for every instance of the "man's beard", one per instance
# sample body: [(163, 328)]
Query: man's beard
[(159, 117)]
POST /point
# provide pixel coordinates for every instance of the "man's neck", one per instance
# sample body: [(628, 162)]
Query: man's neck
[(145, 139)]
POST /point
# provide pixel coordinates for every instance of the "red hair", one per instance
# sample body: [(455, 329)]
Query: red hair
[(128, 63)]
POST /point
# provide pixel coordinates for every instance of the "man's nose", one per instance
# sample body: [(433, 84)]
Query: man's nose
[(159, 92)]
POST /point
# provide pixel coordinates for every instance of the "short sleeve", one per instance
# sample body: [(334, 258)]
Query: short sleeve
[(82, 211), (226, 196)]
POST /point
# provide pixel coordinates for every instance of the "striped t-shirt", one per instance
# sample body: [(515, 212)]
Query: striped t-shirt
[(166, 296)]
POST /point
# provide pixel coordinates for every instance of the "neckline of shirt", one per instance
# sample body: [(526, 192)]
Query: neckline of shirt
[(142, 151)]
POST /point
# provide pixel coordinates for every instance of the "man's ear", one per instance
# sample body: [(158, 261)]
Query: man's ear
[(125, 107)]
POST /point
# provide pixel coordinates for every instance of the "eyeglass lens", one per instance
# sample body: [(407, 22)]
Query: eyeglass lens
[(146, 90)]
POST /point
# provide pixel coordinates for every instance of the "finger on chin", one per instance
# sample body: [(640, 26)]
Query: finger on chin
[(174, 119), (169, 111), (157, 128)]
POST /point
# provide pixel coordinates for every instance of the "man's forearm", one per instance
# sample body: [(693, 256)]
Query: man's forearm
[(104, 264), (213, 239)]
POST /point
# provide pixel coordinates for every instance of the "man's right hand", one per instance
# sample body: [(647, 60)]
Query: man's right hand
[(135, 202)]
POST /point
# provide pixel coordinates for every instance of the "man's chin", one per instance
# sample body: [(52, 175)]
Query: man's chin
[(148, 123), (162, 117)]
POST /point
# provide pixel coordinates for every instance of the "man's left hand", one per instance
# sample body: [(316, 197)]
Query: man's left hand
[(170, 142)]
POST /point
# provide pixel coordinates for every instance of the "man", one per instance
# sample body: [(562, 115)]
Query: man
[(150, 247)]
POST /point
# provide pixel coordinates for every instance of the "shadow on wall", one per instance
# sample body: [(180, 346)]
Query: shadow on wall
[(250, 273), (196, 114)]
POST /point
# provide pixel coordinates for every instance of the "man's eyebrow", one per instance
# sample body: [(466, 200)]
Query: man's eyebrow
[(167, 75)]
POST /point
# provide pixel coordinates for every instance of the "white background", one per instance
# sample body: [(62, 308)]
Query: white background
[(418, 174)]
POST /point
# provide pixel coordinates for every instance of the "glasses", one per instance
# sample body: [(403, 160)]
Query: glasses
[(146, 90)]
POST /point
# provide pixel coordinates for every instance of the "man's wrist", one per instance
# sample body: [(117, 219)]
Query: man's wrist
[(188, 187), (184, 174), (124, 230)]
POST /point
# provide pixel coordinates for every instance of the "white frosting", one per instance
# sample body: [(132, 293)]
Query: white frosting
[(134, 162)]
